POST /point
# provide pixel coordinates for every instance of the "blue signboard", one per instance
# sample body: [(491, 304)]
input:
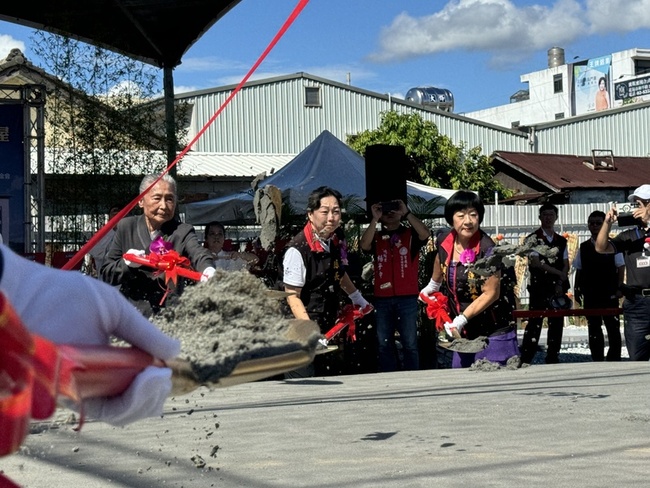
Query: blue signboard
[(12, 184), (591, 85)]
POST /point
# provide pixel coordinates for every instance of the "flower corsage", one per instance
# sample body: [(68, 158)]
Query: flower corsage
[(467, 257)]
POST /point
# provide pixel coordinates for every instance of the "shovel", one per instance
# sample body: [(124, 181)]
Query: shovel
[(108, 370), (304, 334), (35, 372)]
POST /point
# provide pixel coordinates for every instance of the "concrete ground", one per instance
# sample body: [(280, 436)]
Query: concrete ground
[(561, 425)]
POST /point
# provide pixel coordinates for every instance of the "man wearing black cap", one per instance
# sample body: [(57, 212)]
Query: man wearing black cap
[(634, 243)]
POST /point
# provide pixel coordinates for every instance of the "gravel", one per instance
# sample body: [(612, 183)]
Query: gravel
[(228, 319)]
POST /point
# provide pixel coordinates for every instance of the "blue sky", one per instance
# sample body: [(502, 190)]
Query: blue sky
[(475, 48)]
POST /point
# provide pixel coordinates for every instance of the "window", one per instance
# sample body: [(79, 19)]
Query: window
[(641, 66), (312, 96), (514, 125), (557, 84), (559, 116)]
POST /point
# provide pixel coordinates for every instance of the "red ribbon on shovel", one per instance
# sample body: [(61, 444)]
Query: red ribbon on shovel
[(171, 264), (34, 372), (437, 308), (346, 318)]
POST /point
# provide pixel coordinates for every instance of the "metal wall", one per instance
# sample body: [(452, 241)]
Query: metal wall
[(624, 130), (271, 117)]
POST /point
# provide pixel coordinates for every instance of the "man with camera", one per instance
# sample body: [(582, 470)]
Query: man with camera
[(634, 243), (396, 253)]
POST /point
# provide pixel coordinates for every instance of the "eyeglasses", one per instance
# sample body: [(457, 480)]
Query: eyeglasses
[(595, 223)]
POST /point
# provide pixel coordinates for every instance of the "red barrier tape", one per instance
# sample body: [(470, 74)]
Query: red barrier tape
[(518, 314), (76, 259)]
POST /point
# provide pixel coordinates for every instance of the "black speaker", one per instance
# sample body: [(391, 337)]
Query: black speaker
[(385, 174)]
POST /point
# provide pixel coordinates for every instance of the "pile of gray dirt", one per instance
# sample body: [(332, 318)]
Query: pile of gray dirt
[(228, 319)]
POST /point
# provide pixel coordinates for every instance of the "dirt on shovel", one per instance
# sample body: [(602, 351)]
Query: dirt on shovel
[(230, 320)]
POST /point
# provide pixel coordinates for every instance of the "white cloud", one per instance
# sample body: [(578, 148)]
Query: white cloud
[(185, 89), (504, 30), (204, 64), (331, 72), (618, 15), (7, 43)]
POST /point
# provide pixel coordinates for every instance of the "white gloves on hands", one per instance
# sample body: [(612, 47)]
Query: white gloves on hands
[(99, 313), (145, 397), (431, 288), (137, 252), (455, 327), (357, 299), (207, 274)]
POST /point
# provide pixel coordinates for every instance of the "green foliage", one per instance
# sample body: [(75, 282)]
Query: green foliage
[(434, 159)]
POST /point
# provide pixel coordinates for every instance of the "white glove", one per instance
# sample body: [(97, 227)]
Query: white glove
[(207, 274), (145, 397), (99, 313), (137, 252), (357, 299), (457, 325), (431, 288)]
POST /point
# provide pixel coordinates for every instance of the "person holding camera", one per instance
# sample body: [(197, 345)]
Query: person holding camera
[(396, 254), (634, 243), (597, 281), (547, 289)]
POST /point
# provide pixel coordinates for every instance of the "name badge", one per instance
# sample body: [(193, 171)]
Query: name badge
[(643, 262)]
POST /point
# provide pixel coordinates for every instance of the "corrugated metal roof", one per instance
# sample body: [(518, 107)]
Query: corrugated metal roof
[(192, 164), (564, 172), (220, 164)]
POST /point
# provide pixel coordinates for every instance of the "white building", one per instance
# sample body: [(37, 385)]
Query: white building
[(567, 90)]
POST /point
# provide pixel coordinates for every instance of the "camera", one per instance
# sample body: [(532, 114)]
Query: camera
[(625, 217), (388, 207)]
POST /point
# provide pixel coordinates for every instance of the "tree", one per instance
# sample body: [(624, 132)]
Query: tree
[(434, 159), (104, 130)]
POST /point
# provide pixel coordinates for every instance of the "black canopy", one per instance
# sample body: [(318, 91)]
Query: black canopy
[(157, 32)]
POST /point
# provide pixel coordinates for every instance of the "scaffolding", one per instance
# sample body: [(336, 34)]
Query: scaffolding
[(32, 99)]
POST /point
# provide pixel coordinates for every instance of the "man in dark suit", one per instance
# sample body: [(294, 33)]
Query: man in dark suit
[(142, 285), (548, 280)]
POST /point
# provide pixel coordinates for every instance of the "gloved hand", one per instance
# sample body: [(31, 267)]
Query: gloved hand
[(431, 288), (357, 299), (143, 398), (455, 327), (207, 274), (43, 303), (137, 252)]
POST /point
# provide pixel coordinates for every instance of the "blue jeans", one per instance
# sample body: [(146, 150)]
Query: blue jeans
[(636, 313), (397, 314)]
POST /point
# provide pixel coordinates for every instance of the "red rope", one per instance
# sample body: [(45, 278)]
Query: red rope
[(74, 260), (518, 314)]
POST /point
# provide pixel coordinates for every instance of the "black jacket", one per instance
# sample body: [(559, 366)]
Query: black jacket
[(139, 284)]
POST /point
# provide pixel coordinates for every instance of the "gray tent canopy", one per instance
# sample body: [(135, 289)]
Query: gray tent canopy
[(326, 161)]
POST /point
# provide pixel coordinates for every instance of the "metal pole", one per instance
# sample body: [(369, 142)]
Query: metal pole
[(496, 212), (170, 123)]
